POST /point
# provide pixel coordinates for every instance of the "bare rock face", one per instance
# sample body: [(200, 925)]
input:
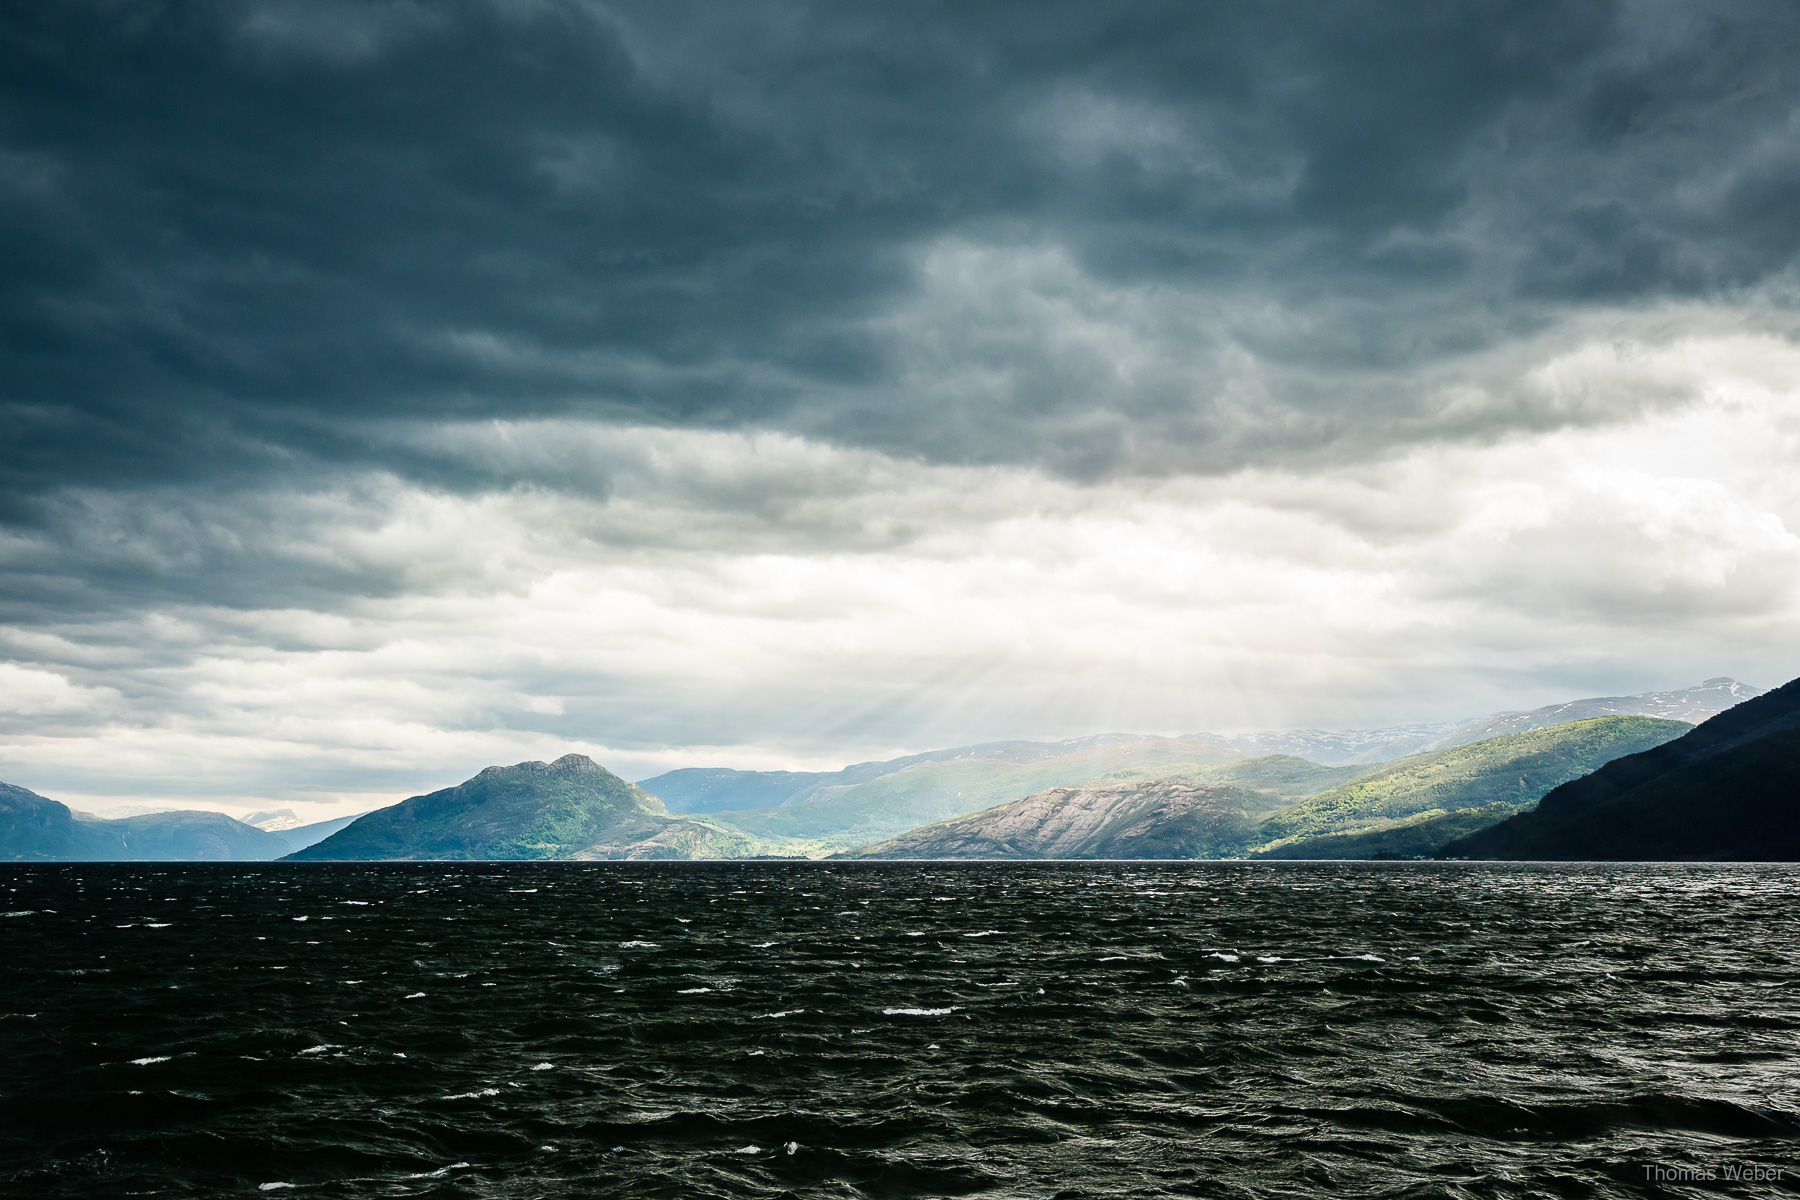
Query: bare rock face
[(1162, 818)]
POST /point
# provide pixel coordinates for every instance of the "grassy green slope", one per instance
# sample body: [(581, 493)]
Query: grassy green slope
[(1419, 836), (842, 817), (1514, 770)]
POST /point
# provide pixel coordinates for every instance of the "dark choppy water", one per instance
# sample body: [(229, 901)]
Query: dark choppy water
[(897, 1030)]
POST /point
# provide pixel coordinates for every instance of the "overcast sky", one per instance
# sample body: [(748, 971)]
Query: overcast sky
[(393, 389)]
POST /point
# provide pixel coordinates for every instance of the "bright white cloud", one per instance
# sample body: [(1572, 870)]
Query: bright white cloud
[(661, 598)]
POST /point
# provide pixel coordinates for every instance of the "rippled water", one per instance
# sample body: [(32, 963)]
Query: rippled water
[(897, 1030)]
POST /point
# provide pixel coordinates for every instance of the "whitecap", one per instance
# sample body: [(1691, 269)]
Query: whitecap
[(364, 903), (755, 1054), (320, 1049), (918, 1012), (273, 1187), (521, 891), (474, 1095), (1116, 958), (1267, 958), (144, 1062), (24, 913), (414, 996), (983, 933), (158, 924), (749, 1150), (765, 945), (440, 1172), (1223, 957), (301, 918), (691, 991), (791, 1147), (545, 1067), (786, 1012), (637, 945)]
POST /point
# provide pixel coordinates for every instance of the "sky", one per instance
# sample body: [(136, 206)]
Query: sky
[(392, 389)]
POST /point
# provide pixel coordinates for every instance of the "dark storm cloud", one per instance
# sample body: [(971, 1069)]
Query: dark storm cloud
[(235, 238)]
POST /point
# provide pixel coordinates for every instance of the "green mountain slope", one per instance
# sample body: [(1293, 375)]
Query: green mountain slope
[(1516, 769), (843, 817), (570, 808), (1155, 819), (1728, 790), (1418, 836)]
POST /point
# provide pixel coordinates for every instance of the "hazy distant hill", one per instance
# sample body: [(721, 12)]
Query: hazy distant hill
[(721, 789), (1163, 818), (299, 837), (842, 817), (570, 808), (1691, 705), (1342, 747), (1337, 747), (1728, 790), (34, 828)]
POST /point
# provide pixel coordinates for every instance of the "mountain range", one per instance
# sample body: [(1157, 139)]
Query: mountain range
[(1110, 795), (1175, 818), (34, 828), (723, 790), (570, 808)]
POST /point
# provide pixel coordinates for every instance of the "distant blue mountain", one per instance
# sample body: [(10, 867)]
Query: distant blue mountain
[(34, 828)]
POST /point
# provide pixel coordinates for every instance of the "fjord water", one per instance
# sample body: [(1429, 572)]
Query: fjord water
[(898, 1029)]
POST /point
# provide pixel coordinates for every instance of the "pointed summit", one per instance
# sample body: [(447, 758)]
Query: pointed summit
[(569, 808)]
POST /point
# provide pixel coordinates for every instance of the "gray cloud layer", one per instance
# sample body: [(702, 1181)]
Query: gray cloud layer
[(392, 388), (1088, 237)]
